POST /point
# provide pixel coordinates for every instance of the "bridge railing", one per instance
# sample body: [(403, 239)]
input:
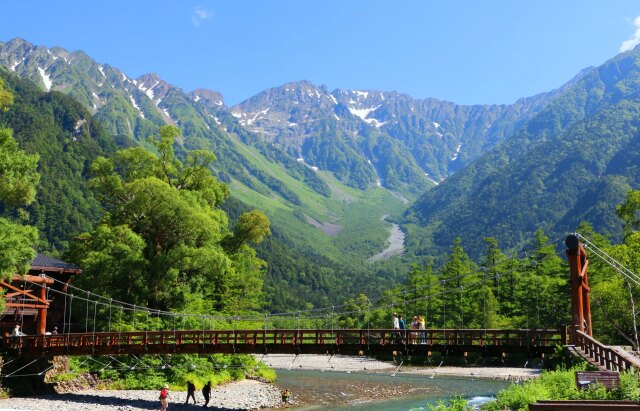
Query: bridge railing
[(322, 339), (612, 358)]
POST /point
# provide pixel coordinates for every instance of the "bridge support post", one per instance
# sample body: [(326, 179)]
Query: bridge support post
[(580, 300), (42, 311)]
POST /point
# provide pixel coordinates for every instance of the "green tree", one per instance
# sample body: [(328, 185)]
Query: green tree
[(458, 276), (18, 180), (629, 212), (171, 208)]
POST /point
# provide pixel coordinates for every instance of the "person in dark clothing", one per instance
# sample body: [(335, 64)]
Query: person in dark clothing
[(403, 329), (191, 392), (206, 392)]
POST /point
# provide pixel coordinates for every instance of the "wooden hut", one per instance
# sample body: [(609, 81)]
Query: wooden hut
[(31, 300)]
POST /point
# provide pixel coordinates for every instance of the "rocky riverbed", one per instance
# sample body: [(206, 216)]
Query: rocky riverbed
[(241, 395)]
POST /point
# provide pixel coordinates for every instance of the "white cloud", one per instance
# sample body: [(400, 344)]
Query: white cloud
[(200, 14), (633, 41)]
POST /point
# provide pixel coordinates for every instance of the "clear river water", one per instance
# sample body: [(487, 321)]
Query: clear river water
[(315, 390)]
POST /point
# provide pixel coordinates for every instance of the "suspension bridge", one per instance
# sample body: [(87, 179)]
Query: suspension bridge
[(34, 297)]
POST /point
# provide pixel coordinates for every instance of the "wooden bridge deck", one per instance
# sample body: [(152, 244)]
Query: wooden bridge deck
[(303, 341)]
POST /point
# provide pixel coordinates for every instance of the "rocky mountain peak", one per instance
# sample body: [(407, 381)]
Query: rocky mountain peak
[(209, 98), (153, 86)]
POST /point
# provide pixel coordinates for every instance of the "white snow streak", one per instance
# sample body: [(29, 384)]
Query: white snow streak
[(13, 67), (431, 179), (101, 71), (363, 113), (196, 98), (45, 78), (136, 106), (455, 155)]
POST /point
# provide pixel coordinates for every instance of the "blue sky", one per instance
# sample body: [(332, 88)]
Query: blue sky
[(467, 52)]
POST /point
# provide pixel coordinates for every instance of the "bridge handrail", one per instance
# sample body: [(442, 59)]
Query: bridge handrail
[(295, 337), (609, 357)]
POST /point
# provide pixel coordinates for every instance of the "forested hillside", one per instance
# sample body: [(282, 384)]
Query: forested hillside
[(570, 163), (67, 139)]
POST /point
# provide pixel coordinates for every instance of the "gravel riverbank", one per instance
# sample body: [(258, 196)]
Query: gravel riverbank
[(366, 364), (241, 395), (252, 395)]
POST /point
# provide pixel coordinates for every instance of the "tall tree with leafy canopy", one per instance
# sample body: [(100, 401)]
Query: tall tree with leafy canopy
[(18, 180), (458, 273), (163, 222)]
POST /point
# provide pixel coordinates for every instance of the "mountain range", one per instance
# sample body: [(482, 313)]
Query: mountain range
[(332, 169)]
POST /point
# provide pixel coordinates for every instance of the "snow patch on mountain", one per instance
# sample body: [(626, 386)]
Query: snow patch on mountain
[(431, 179), (149, 91), (101, 71), (455, 155), (334, 99), (363, 112), (249, 121), (45, 78), (13, 66), (361, 93), (196, 98), (136, 105)]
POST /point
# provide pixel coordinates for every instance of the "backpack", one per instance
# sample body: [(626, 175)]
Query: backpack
[(163, 394)]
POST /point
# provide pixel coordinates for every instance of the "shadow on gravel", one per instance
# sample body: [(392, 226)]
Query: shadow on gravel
[(58, 402)]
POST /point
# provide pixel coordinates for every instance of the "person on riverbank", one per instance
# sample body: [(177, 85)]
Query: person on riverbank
[(191, 392), (286, 396), (164, 398), (206, 393)]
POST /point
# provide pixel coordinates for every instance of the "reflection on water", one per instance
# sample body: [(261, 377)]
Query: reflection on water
[(315, 390)]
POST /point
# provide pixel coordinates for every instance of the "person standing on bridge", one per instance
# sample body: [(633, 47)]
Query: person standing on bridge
[(16, 332), (396, 326), (164, 398), (403, 329)]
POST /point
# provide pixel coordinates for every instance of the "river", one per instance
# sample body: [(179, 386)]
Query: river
[(316, 390)]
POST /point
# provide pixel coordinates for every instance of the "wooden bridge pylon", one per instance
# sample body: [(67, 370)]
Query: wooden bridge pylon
[(579, 277)]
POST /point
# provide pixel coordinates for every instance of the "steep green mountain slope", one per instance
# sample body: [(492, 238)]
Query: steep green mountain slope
[(67, 139), (574, 161), (303, 205)]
